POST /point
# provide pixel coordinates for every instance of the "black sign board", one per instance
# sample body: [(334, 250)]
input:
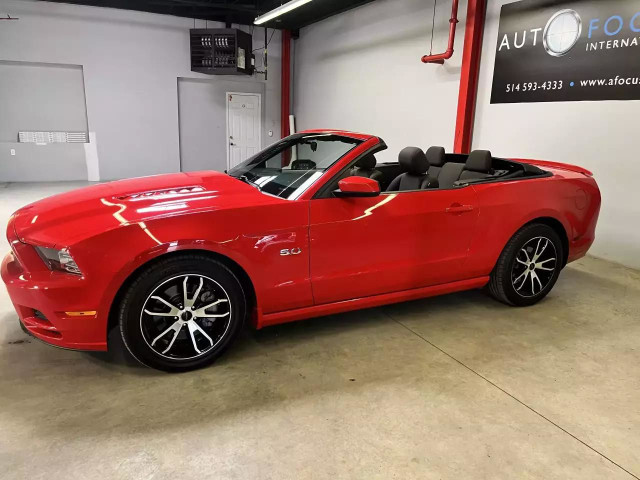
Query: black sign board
[(567, 51)]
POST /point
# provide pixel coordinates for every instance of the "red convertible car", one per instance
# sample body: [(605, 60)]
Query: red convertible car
[(310, 226)]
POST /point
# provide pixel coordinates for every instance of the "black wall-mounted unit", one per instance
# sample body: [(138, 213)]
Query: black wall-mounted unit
[(221, 51)]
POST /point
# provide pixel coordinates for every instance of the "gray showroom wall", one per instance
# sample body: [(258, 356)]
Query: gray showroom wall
[(41, 97), (600, 136), (131, 63), (361, 71), (203, 111)]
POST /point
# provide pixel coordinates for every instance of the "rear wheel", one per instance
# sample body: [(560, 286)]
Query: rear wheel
[(182, 313), (528, 267)]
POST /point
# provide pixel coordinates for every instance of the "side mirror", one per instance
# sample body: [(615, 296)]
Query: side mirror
[(357, 187)]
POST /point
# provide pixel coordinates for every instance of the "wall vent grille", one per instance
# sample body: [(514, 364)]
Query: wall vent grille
[(53, 137)]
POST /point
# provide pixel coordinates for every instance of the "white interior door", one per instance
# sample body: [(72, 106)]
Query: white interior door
[(243, 127)]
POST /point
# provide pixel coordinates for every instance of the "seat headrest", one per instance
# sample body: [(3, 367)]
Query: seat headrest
[(435, 156), (368, 162), (413, 160), (479, 161)]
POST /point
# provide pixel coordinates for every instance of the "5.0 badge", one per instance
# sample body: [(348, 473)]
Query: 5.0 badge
[(293, 251)]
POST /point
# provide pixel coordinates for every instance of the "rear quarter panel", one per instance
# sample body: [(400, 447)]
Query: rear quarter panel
[(570, 197)]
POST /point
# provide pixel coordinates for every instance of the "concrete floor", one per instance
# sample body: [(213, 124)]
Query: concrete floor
[(446, 388)]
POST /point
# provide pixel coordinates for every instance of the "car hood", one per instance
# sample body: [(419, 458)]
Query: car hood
[(66, 218)]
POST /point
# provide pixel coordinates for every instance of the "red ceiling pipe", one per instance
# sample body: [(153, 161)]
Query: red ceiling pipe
[(285, 92), (474, 31), (440, 58)]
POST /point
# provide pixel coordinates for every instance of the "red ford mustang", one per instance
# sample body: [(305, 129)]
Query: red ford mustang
[(310, 226)]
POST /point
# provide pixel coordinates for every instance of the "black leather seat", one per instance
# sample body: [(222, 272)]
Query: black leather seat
[(450, 174), (436, 158), (414, 162), (479, 165), (366, 167)]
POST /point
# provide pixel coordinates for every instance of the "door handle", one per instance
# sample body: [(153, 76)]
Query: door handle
[(457, 208)]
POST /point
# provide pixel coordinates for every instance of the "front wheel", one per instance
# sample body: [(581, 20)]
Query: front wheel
[(182, 313), (528, 267)]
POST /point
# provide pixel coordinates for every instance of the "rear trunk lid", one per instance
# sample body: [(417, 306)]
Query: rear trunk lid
[(556, 166)]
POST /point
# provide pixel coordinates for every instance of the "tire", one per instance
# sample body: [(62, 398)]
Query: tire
[(514, 280), (164, 328)]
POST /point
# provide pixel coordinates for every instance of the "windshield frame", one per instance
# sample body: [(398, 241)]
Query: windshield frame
[(240, 171)]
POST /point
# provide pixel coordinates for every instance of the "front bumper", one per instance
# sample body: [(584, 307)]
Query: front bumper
[(49, 305)]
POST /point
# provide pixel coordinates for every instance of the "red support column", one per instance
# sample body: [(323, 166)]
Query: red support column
[(285, 83), (476, 14)]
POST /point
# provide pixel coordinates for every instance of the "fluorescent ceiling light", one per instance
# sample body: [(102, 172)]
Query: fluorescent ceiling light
[(282, 9)]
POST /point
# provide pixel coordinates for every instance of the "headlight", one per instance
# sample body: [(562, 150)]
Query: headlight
[(58, 260)]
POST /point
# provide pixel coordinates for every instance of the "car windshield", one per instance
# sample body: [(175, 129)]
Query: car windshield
[(288, 168)]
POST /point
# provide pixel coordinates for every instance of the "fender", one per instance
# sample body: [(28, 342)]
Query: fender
[(483, 257), (276, 280), (502, 215), (147, 256), (546, 213)]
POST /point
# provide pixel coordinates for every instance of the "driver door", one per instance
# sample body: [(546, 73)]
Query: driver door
[(397, 241)]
